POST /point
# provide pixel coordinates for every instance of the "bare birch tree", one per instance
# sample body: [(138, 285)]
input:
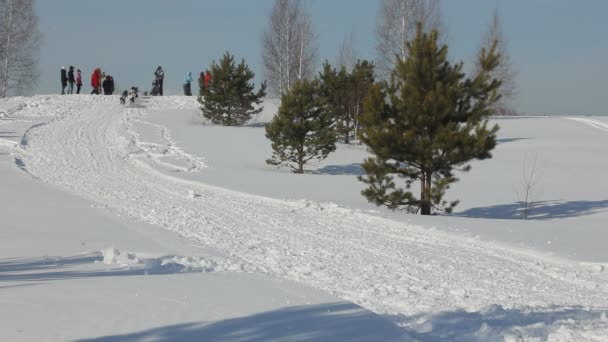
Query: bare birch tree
[(505, 71), (19, 43), (396, 25), (347, 54), (289, 46)]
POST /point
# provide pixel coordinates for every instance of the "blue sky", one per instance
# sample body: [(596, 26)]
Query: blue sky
[(559, 47)]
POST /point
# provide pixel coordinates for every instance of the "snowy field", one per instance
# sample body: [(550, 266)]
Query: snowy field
[(147, 223)]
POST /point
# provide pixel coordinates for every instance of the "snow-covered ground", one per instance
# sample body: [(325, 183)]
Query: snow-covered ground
[(146, 223)]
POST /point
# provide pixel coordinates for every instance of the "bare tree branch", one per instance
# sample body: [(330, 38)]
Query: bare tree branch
[(396, 25), (347, 54), (19, 44), (289, 46), (505, 71)]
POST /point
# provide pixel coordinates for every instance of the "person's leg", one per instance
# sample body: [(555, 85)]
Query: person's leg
[(161, 86), (77, 89)]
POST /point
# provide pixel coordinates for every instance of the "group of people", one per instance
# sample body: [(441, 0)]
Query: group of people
[(100, 82), (206, 76), (68, 79)]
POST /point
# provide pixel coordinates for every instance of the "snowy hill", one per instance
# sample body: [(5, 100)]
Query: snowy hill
[(145, 223)]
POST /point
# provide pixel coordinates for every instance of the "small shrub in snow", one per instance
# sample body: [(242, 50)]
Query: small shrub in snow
[(302, 129), (229, 98)]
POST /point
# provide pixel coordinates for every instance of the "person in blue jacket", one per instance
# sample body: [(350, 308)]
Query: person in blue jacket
[(188, 84)]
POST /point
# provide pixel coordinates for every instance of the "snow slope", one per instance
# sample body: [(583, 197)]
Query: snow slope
[(433, 277), (72, 269)]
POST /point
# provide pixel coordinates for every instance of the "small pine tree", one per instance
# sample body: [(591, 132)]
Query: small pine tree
[(230, 99), (335, 87), (302, 130), (344, 91), (429, 121)]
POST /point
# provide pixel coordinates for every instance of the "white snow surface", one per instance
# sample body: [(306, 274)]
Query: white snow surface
[(479, 275)]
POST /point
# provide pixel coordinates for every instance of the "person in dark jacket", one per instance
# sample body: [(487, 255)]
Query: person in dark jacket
[(108, 85), (160, 76), (78, 81), (71, 80), (64, 80)]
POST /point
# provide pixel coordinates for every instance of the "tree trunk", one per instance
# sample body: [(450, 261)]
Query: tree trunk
[(347, 133), (403, 32), (300, 159), (8, 50), (301, 53), (425, 191)]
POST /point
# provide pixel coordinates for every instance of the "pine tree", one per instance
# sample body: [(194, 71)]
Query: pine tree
[(344, 91), (302, 130), (429, 121), (230, 99), (335, 88)]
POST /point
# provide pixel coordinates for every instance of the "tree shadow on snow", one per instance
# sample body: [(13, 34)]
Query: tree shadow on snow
[(354, 169), (494, 323), (509, 140), (325, 322), (539, 211), (58, 268)]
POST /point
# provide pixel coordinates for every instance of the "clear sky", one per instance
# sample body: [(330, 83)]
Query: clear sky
[(559, 47)]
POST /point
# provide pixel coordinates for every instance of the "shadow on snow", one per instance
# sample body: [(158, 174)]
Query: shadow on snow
[(348, 322), (54, 268), (539, 211), (325, 322), (495, 323), (354, 169)]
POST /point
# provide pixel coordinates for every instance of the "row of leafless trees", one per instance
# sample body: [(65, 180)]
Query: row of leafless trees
[(290, 48), (19, 43)]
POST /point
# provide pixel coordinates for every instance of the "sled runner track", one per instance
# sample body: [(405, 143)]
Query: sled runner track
[(385, 266), (593, 123)]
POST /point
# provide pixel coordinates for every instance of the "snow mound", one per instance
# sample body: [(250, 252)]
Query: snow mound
[(175, 264)]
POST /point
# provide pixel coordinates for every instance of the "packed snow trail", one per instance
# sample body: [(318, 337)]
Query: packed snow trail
[(388, 267)]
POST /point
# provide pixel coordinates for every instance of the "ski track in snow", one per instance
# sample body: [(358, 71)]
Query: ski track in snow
[(388, 267), (593, 123)]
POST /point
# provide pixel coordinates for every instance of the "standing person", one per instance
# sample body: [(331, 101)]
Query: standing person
[(78, 81), (111, 85), (160, 76), (71, 80), (96, 81), (188, 84), (207, 78), (64, 80), (108, 85)]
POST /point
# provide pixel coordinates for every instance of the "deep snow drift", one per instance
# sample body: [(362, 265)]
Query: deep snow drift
[(476, 276)]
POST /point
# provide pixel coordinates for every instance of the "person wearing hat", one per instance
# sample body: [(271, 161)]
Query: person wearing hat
[(64, 80)]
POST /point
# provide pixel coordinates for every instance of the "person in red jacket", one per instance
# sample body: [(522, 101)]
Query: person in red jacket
[(96, 81), (207, 79)]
